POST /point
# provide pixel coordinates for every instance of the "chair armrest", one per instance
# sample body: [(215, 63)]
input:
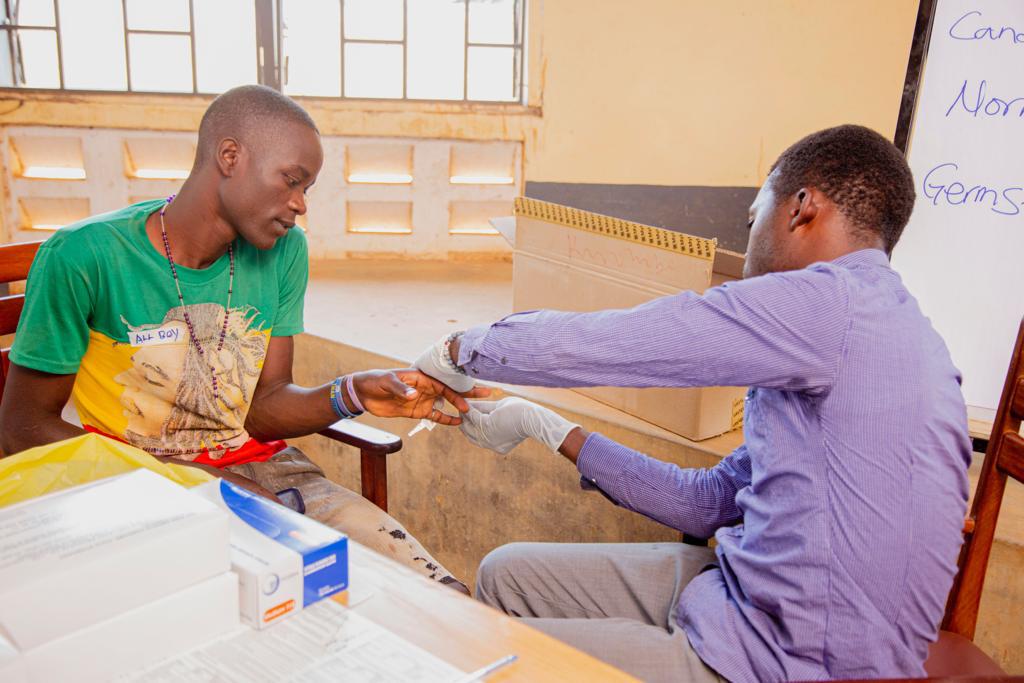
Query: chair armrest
[(364, 437)]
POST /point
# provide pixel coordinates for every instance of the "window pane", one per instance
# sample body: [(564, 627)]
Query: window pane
[(492, 21), (374, 19), (92, 38), (39, 57), (161, 15), (161, 63), (225, 59), (6, 75), (373, 70), (490, 73), (32, 13), (312, 47), (436, 52)]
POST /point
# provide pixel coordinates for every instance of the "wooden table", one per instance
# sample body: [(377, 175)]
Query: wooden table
[(979, 429), (459, 630)]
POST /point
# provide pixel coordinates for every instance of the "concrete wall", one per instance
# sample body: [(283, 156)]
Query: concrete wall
[(428, 203)]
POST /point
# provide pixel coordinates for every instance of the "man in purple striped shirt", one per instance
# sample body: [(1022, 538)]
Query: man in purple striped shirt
[(837, 522)]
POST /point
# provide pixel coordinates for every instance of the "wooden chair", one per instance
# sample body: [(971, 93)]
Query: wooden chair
[(374, 444), (954, 653)]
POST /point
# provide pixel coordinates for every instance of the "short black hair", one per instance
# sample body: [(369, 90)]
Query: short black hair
[(862, 172), (247, 113)]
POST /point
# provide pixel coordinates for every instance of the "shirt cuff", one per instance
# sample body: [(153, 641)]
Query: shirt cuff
[(468, 342), (472, 361), (601, 463)]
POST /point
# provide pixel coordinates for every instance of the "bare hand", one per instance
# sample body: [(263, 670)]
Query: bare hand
[(410, 393)]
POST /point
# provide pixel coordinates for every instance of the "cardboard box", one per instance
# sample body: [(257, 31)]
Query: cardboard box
[(284, 560), (131, 640), (572, 260), (85, 554)]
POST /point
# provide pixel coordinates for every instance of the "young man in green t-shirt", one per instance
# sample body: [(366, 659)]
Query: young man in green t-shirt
[(170, 324)]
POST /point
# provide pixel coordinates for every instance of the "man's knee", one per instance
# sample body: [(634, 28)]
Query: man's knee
[(498, 566)]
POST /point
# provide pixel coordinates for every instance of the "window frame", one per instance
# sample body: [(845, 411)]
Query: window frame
[(270, 65)]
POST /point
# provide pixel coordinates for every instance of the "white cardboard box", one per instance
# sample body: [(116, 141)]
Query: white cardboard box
[(79, 556), (572, 260), (131, 640), (285, 561)]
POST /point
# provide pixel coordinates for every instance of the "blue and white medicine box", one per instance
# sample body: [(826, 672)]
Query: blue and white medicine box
[(284, 560)]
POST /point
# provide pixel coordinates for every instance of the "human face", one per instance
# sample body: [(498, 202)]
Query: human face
[(267, 190), (769, 245)]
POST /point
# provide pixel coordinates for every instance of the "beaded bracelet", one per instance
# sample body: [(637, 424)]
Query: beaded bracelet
[(446, 355), (336, 401)]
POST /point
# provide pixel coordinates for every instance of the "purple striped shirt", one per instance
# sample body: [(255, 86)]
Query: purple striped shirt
[(838, 521)]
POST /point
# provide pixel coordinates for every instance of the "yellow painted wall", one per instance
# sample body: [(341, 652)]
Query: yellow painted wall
[(672, 92)]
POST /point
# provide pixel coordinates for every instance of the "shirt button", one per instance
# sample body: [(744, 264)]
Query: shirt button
[(504, 361)]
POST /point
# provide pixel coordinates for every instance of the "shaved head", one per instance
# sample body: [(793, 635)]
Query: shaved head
[(258, 154), (251, 114)]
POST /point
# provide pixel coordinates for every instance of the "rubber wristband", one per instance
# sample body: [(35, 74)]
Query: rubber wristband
[(336, 403), (351, 390)]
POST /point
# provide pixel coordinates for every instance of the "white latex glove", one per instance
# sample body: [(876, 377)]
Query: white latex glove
[(503, 425), (433, 362)]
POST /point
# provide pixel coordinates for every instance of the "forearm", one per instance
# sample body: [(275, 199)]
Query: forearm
[(289, 410), (19, 433), (694, 501)]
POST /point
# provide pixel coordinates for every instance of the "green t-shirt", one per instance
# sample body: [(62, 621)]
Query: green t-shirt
[(101, 302)]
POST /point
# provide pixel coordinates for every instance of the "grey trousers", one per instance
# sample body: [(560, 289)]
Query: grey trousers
[(615, 601), (339, 508)]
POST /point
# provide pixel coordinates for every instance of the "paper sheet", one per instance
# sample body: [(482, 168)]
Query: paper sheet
[(322, 644)]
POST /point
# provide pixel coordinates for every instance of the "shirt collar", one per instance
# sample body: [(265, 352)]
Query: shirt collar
[(863, 257)]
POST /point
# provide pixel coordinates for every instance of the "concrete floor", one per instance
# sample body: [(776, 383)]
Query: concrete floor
[(462, 501), (396, 308)]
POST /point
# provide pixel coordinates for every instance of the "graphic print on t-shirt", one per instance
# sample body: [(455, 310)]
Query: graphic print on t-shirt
[(167, 395)]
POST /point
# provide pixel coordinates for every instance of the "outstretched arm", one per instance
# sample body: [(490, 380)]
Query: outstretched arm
[(783, 331), (281, 409), (694, 501)]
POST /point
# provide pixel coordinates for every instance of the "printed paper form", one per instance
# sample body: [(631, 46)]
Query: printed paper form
[(324, 643)]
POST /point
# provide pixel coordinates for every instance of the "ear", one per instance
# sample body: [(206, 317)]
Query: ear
[(803, 208), (228, 155)]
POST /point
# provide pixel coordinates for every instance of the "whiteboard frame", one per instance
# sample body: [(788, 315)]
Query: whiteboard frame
[(915, 69)]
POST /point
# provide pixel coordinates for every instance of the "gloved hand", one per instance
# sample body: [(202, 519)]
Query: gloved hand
[(436, 362), (503, 425)]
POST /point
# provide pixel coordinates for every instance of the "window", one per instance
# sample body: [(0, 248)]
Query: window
[(403, 49), (170, 46), (449, 50)]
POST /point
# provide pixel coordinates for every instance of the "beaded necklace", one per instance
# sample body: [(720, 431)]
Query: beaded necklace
[(188, 321)]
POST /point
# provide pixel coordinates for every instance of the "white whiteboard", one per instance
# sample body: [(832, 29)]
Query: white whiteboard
[(962, 254)]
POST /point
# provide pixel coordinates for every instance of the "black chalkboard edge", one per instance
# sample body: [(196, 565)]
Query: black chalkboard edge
[(915, 67)]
